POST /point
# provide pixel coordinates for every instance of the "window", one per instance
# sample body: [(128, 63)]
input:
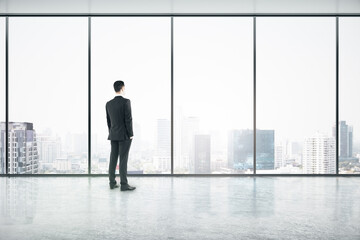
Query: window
[(136, 51), (48, 109), (212, 91), (349, 83), (213, 95), (296, 82), (2, 98)]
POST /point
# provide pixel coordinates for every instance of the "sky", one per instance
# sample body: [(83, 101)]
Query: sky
[(296, 76), (48, 73), (213, 72)]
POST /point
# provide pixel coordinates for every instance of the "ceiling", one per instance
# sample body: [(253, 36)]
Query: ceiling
[(149, 7)]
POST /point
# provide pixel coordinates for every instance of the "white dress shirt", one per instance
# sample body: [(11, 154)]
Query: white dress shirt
[(119, 94)]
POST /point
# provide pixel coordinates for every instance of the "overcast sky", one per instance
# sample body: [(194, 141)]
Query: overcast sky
[(213, 72)]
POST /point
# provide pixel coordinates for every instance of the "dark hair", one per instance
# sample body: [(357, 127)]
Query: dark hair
[(118, 85)]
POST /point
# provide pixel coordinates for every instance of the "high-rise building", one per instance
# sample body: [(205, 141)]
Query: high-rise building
[(345, 140), (162, 160), (319, 155), (23, 152), (163, 137), (202, 153), (279, 156), (189, 128), (287, 153), (2, 148), (49, 148), (62, 165), (80, 143), (240, 149), (75, 143), (265, 149)]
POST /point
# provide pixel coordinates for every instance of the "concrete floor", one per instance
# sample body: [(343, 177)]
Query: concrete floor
[(180, 208)]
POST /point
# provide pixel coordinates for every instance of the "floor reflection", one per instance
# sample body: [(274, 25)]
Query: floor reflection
[(18, 200), (180, 208)]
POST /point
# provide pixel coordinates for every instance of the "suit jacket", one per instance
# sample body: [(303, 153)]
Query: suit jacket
[(119, 119)]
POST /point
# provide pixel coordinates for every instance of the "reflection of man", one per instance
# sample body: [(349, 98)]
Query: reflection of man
[(119, 120)]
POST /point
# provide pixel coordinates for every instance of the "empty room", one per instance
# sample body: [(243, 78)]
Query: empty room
[(179, 119)]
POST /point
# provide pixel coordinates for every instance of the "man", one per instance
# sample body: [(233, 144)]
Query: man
[(119, 120)]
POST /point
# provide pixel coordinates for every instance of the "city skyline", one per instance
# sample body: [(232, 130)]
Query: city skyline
[(53, 155)]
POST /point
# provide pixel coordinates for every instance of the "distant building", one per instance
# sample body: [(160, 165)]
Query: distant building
[(265, 150), (49, 148), (163, 137), (184, 146), (241, 148), (76, 143), (23, 152), (162, 163), (162, 160), (288, 153), (279, 156), (2, 148), (319, 155), (202, 153), (62, 165), (345, 140)]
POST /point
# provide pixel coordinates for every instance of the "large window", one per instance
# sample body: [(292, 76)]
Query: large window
[(212, 59), (296, 79), (349, 83), (213, 95), (136, 51), (48, 95), (2, 97)]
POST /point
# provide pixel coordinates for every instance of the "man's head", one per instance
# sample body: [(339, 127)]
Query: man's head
[(119, 86)]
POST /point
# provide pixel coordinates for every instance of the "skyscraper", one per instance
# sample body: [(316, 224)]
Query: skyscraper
[(240, 149), (287, 153), (319, 155), (189, 128), (163, 137), (202, 153), (279, 156), (265, 149), (2, 148), (23, 152), (345, 140), (49, 148), (163, 159)]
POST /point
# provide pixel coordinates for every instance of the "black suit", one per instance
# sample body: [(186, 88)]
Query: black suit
[(119, 120)]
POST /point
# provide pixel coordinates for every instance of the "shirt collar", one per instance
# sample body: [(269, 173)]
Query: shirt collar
[(116, 95)]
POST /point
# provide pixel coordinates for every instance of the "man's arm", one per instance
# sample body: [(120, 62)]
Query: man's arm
[(108, 118), (128, 119)]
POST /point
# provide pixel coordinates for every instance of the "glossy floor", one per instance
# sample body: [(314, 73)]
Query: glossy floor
[(180, 208)]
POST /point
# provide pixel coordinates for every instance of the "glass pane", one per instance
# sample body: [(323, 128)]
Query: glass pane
[(48, 107), (136, 51), (2, 97), (349, 83), (295, 95), (213, 93)]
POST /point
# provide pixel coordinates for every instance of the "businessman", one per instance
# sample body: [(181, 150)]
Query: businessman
[(119, 121)]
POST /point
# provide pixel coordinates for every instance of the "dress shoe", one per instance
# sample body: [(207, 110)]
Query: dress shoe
[(114, 186), (127, 188)]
